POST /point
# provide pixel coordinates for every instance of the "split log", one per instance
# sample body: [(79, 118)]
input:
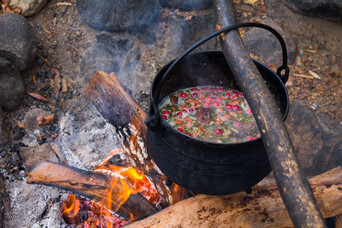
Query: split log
[(93, 186), (117, 106), (263, 208)]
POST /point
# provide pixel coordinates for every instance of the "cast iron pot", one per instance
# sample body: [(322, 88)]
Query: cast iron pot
[(199, 166)]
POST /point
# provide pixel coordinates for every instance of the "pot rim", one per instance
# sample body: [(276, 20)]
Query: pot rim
[(168, 126)]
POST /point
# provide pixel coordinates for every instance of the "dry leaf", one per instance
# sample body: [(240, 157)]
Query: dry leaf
[(315, 75), (64, 85), (44, 120), (38, 96), (189, 17), (252, 2)]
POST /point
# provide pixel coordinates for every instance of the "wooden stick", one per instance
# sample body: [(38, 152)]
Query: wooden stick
[(117, 106), (303, 76), (263, 208), (92, 186)]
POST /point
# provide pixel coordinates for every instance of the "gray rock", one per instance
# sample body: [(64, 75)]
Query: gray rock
[(97, 57), (115, 54), (3, 201), (331, 9), (32, 156), (29, 7), (29, 203), (11, 85), (18, 42), (187, 4), (5, 136), (265, 45), (119, 15), (316, 139), (30, 121), (183, 33)]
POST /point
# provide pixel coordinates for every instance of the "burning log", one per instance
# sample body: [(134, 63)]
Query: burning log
[(263, 208), (115, 196), (117, 106)]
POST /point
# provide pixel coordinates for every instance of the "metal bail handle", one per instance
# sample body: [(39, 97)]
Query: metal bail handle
[(152, 121)]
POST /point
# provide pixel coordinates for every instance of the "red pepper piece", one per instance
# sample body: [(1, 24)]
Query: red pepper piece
[(228, 107), (209, 99), (215, 103), (236, 107), (218, 131), (183, 95), (206, 104)]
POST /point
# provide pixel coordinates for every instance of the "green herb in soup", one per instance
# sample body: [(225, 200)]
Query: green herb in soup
[(210, 113)]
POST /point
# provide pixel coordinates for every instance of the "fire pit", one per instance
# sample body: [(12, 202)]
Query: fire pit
[(56, 122)]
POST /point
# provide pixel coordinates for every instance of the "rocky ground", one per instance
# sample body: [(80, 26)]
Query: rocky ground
[(70, 52)]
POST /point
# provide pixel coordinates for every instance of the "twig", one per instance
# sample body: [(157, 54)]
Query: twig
[(64, 4), (303, 76)]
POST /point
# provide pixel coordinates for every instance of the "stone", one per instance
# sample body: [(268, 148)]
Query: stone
[(29, 7), (115, 54), (11, 85), (29, 203), (331, 9), (32, 156), (119, 15), (3, 201), (18, 42), (316, 139), (265, 45), (30, 121), (187, 5), (5, 136), (190, 31), (85, 138), (97, 57)]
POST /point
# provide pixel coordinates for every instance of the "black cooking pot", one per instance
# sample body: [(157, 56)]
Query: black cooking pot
[(204, 167)]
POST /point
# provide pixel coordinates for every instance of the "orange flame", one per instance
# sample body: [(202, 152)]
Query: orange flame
[(124, 182), (72, 206)]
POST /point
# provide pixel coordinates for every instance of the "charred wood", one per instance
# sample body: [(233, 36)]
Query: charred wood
[(93, 186)]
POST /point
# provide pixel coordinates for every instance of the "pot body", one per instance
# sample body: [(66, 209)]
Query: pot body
[(203, 167)]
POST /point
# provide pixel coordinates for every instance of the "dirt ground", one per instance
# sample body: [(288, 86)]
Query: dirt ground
[(315, 76)]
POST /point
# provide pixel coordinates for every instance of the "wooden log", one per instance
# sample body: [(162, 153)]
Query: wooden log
[(93, 186), (263, 208), (291, 180), (117, 106)]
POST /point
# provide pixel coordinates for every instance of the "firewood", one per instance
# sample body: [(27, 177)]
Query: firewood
[(117, 106), (93, 186), (263, 208)]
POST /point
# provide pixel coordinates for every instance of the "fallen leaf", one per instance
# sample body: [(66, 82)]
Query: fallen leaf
[(38, 96), (45, 120), (315, 75), (189, 17), (252, 2)]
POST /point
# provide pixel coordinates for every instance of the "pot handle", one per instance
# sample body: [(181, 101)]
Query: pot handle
[(151, 122)]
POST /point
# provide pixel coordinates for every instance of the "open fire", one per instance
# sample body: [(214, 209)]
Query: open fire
[(101, 213)]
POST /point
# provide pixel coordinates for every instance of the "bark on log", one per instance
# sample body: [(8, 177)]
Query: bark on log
[(263, 208), (291, 180), (91, 185), (117, 106)]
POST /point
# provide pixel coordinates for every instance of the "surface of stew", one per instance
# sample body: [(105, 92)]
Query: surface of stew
[(210, 113)]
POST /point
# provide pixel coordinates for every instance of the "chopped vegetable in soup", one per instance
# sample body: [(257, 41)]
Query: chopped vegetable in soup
[(210, 113)]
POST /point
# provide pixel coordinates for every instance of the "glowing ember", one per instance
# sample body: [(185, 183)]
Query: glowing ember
[(124, 182)]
